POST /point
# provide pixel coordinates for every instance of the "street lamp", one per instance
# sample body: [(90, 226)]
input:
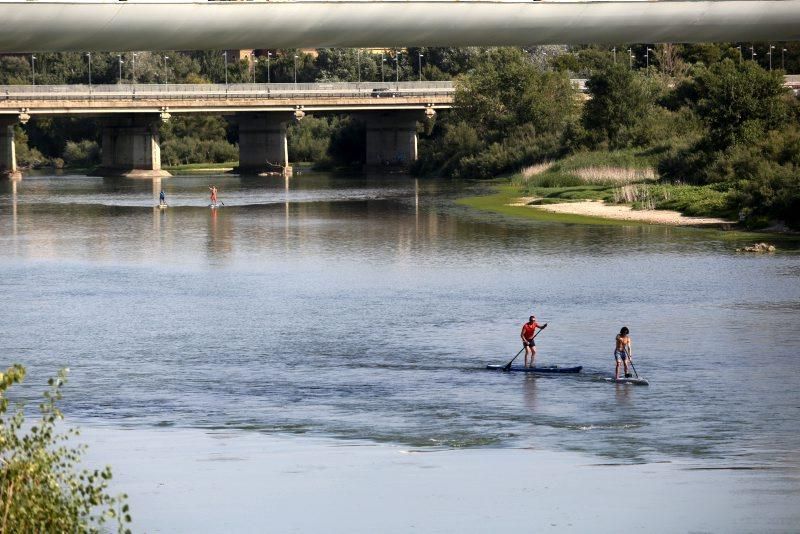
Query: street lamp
[(383, 62), (133, 68), (614, 50), (269, 55), (225, 55), (771, 48), (358, 56), (89, 56), (740, 53), (166, 72), (783, 66), (397, 65), (420, 67), (33, 69), (752, 53), (295, 71), (647, 57), (630, 58), (254, 61), (119, 57)]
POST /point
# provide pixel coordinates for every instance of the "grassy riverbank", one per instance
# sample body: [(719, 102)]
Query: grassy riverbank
[(202, 168)]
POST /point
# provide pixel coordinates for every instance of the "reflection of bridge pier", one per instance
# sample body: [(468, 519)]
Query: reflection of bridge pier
[(131, 147), (8, 158)]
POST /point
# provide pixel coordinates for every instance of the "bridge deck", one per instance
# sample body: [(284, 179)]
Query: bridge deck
[(177, 98)]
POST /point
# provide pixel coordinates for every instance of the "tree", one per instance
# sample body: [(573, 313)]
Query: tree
[(739, 103), (41, 486), (622, 100)]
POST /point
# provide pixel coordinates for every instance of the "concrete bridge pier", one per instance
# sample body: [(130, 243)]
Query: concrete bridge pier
[(391, 138), (131, 147), (8, 157), (263, 149)]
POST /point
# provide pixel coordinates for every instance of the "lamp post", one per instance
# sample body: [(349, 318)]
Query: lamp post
[(133, 68), (166, 72), (225, 55), (295, 71), (383, 62), (614, 51), (269, 55), (397, 66), (420, 67), (33, 69), (630, 58), (740, 53), (119, 58), (783, 66), (647, 57), (753, 53), (89, 56), (358, 56), (771, 48)]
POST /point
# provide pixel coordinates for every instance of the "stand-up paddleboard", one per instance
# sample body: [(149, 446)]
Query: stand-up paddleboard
[(214, 206), (636, 381), (162, 206), (545, 369)]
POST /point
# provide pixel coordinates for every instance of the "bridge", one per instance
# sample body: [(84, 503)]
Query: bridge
[(85, 25), (130, 115)]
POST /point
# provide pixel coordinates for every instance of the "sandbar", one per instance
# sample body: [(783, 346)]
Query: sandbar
[(599, 208)]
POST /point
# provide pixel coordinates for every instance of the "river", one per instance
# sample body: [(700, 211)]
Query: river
[(366, 308)]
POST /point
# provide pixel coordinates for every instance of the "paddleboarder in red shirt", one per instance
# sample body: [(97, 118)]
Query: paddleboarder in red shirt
[(527, 335)]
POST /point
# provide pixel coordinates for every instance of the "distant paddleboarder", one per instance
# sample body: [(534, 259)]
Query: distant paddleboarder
[(527, 335), (623, 353), (162, 198), (213, 189)]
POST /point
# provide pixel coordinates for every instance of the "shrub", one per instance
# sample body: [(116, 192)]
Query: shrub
[(41, 488), (85, 152)]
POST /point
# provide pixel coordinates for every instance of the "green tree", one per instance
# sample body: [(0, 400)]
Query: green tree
[(42, 488), (739, 103), (621, 102)]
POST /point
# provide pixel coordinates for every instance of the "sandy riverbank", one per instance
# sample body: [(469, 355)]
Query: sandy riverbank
[(186, 480), (598, 208)]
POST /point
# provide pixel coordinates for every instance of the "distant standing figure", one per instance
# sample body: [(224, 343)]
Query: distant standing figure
[(162, 198), (623, 353), (213, 189), (527, 335)]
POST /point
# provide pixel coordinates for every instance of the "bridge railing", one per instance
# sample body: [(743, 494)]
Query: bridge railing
[(229, 91)]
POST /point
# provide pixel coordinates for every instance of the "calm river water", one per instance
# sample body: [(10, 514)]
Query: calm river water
[(367, 308)]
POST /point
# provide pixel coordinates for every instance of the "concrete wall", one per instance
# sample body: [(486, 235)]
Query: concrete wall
[(131, 147), (262, 143), (8, 157)]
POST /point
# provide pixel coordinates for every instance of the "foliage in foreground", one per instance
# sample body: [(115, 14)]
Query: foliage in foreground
[(41, 487)]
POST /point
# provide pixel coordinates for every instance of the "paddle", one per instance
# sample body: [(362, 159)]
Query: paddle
[(507, 366), (632, 367)]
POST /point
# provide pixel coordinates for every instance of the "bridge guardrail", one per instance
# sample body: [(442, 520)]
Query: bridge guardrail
[(221, 91)]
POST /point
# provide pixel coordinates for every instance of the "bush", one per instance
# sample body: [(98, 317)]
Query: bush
[(84, 152), (41, 489)]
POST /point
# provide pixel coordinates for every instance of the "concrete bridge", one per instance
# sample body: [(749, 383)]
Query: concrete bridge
[(130, 115), (81, 25)]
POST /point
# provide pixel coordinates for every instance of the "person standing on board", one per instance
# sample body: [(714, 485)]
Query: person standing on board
[(162, 198), (623, 353), (213, 189), (527, 335)]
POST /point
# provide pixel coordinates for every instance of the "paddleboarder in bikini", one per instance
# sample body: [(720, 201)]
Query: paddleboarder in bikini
[(623, 353), (527, 335), (213, 190)]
